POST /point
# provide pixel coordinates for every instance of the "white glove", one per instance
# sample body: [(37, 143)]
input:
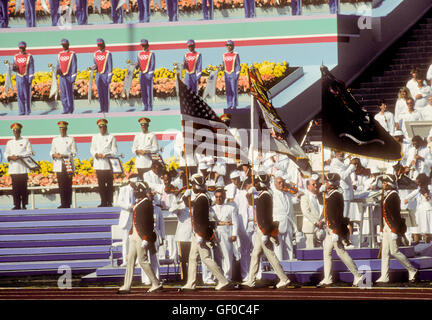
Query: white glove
[(322, 188), (394, 236), (144, 244), (187, 193), (200, 240), (379, 237), (299, 236), (335, 237), (252, 190), (264, 239)]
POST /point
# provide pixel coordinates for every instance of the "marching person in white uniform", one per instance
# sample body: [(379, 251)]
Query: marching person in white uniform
[(16, 149), (226, 232), (126, 201), (144, 144), (103, 146), (63, 150)]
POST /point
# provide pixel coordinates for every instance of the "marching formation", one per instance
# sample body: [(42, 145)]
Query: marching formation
[(66, 68)]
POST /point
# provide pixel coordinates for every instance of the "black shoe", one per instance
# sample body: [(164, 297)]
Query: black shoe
[(101, 205), (109, 205), (16, 208), (61, 207), (415, 279), (24, 208), (123, 291)]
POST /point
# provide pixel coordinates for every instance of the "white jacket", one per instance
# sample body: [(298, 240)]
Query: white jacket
[(125, 201), (20, 147)]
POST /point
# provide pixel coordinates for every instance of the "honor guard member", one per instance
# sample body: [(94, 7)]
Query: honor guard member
[(203, 235), (334, 6), (103, 65), (116, 14), (296, 7), (81, 12), (141, 240), (336, 231), (207, 9), (172, 10), (30, 13), (266, 235), (146, 65), (67, 69), (226, 231), (144, 144), (192, 64), (103, 146), (63, 150), (249, 6), (24, 68), (16, 149), (54, 8), (231, 65), (4, 13), (143, 10), (392, 227)]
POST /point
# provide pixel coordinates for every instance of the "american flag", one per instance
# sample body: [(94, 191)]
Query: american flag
[(203, 131)]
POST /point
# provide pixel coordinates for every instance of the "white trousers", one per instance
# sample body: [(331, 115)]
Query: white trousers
[(329, 245), (285, 249), (224, 252), (390, 246)]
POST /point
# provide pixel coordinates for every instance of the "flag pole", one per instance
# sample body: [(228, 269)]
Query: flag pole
[(323, 177), (252, 118)]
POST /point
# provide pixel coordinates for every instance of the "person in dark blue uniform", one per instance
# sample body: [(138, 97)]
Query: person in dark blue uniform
[(67, 69), (334, 6), (81, 11), (103, 65), (193, 65), (207, 9), (24, 67), (249, 6), (146, 65), (54, 8), (296, 7), (172, 10), (231, 66), (116, 14), (4, 13), (143, 10), (30, 13)]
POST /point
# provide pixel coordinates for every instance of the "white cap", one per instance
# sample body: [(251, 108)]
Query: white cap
[(398, 133), (314, 177), (203, 166), (234, 174)]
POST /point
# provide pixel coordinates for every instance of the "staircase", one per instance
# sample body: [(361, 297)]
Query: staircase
[(391, 71), (38, 242), (309, 266)]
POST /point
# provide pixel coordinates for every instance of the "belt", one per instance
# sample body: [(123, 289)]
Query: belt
[(224, 223)]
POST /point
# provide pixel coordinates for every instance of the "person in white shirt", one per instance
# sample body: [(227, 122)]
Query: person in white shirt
[(419, 158), (153, 177), (126, 202), (426, 112), (226, 231), (16, 149), (421, 92), (410, 115), (401, 105), (385, 118), (313, 223), (412, 83), (144, 144), (183, 234), (103, 146), (283, 212), (233, 187), (405, 144), (63, 150), (429, 75)]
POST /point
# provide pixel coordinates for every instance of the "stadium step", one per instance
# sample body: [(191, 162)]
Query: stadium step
[(38, 242)]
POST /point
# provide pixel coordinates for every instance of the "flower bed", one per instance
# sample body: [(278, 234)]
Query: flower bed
[(84, 173), (163, 80), (183, 5)]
